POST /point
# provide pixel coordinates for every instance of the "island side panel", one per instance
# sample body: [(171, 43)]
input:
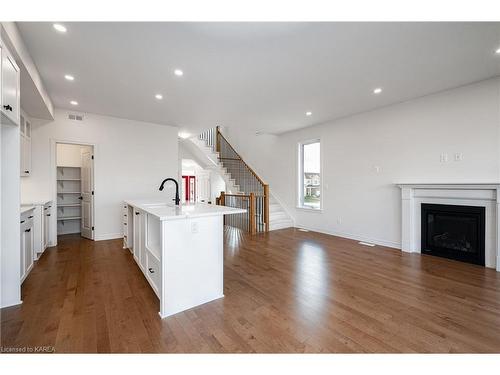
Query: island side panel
[(192, 263)]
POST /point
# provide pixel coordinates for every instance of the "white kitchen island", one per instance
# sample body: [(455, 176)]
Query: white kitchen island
[(179, 249)]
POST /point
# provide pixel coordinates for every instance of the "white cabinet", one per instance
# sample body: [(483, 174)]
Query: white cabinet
[(41, 226), (9, 81), (139, 238), (46, 225), (25, 125), (26, 243), (141, 234)]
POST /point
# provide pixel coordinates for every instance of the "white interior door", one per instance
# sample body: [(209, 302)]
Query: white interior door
[(87, 176), (203, 186)]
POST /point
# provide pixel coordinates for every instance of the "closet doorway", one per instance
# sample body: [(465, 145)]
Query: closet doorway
[(75, 189)]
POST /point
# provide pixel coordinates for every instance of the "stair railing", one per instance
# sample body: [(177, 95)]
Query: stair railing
[(253, 191)]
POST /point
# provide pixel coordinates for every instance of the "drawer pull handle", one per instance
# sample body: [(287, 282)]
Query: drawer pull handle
[(151, 270), (137, 213), (30, 217), (124, 223), (26, 171), (48, 214), (28, 230), (22, 221)]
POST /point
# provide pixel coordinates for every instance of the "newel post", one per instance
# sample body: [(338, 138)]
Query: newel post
[(222, 202), (251, 214), (266, 206)]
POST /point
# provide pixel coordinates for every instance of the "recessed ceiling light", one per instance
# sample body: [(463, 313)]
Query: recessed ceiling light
[(497, 51), (309, 113), (178, 72), (60, 28), (73, 102), (378, 90), (159, 96), (69, 77), (184, 135)]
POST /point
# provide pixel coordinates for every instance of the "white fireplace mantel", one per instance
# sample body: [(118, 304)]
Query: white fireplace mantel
[(484, 194)]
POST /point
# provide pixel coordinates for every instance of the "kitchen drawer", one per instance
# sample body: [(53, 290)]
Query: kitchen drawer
[(27, 220), (153, 272)]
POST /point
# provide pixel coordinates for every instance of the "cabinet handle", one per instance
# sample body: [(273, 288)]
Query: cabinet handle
[(22, 221), (26, 171), (28, 230), (137, 213), (151, 270), (80, 198), (8, 107), (48, 214), (124, 223), (30, 217)]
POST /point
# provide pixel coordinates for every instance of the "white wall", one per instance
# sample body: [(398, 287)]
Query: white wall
[(131, 159), (405, 141)]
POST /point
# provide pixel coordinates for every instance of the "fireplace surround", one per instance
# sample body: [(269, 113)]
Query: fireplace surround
[(485, 195)]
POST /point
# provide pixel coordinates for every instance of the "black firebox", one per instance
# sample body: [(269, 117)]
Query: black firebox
[(455, 232)]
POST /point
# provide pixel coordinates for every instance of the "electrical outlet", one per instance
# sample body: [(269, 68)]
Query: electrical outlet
[(459, 156), (194, 227), (444, 157), (377, 169)]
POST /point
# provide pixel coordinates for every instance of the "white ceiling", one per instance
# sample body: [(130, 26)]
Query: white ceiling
[(262, 76)]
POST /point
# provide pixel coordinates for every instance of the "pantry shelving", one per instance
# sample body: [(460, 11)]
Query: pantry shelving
[(68, 199)]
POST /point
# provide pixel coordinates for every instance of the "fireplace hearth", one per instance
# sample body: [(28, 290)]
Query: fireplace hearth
[(452, 231)]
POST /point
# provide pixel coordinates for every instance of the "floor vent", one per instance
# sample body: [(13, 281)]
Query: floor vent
[(75, 117), (366, 244)]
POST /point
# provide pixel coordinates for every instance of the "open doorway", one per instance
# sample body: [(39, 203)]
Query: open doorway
[(199, 184), (75, 189)]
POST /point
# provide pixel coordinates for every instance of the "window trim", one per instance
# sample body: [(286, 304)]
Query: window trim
[(300, 175)]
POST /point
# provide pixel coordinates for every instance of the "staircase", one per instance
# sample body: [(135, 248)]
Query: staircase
[(243, 186), (214, 164), (278, 217)]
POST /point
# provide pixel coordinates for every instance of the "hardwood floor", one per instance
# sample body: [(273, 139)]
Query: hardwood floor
[(286, 291)]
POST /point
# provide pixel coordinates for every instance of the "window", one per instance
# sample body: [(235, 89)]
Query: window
[(310, 175)]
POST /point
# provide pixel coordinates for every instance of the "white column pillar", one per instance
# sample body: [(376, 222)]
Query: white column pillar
[(407, 217), (497, 229)]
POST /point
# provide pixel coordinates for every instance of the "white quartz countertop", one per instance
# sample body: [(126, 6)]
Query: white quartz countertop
[(26, 207), (168, 211), (36, 202)]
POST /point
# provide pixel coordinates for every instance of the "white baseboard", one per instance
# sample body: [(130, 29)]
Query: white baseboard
[(9, 304), (108, 236), (395, 245)]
